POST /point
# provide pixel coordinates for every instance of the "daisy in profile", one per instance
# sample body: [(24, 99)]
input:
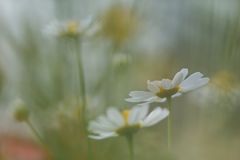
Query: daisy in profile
[(160, 91), (126, 122)]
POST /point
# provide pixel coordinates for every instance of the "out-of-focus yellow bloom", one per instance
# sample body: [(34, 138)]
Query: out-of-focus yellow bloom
[(224, 80), (223, 89), (119, 23)]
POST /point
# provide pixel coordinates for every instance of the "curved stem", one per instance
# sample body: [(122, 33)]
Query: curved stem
[(131, 147), (39, 137), (35, 132), (169, 123)]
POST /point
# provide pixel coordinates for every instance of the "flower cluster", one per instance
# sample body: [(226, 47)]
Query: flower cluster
[(117, 25), (127, 122)]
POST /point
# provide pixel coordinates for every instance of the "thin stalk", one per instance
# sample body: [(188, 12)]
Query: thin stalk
[(81, 80), (131, 147), (169, 100), (110, 76), (39, 137), (35, 132), (82, 88)]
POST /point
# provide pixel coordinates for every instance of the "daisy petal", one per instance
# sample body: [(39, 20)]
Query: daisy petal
[(132, 119), (138, 113), (115, 116), (176, 95), (166, 84), (162, 100), (99, 127), (184, 72), (194, 85), (153, 87), (104, 121), (143, 111), (155, 116), (139, 96), (103, 136), (192, 78), (179, 77)]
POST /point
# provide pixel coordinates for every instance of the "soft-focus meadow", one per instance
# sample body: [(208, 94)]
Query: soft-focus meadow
[(65, 62)]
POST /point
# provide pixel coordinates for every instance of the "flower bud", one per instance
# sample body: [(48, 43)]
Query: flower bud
[(121, 61), (21, 112)]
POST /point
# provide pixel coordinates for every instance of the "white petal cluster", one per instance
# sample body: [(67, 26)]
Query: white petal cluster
[(70, 28), (159, 91), (116, 123)]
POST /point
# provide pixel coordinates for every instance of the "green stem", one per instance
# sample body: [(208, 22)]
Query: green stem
[(169, 100), (82, 88), (110, 76), (35, 132), (130, 145), (81, 80), (39, 137)]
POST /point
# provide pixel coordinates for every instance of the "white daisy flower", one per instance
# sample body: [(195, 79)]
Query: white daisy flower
[(127, 122), (159, 91), (70, 28)]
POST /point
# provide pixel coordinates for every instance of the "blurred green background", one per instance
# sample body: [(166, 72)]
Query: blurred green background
[(138, 41)]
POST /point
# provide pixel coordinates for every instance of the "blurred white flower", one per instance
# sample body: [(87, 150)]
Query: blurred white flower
[(159, 91), (71, 28), (127, 122), (224, 90)]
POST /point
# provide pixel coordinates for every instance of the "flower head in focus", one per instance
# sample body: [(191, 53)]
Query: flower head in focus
[(70, 29), (116, 123), (159, 91)]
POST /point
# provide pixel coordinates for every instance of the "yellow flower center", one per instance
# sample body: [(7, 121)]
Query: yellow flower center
[(72, 27), (163, 93), (125, 115), (127, 129), (71, 30)]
